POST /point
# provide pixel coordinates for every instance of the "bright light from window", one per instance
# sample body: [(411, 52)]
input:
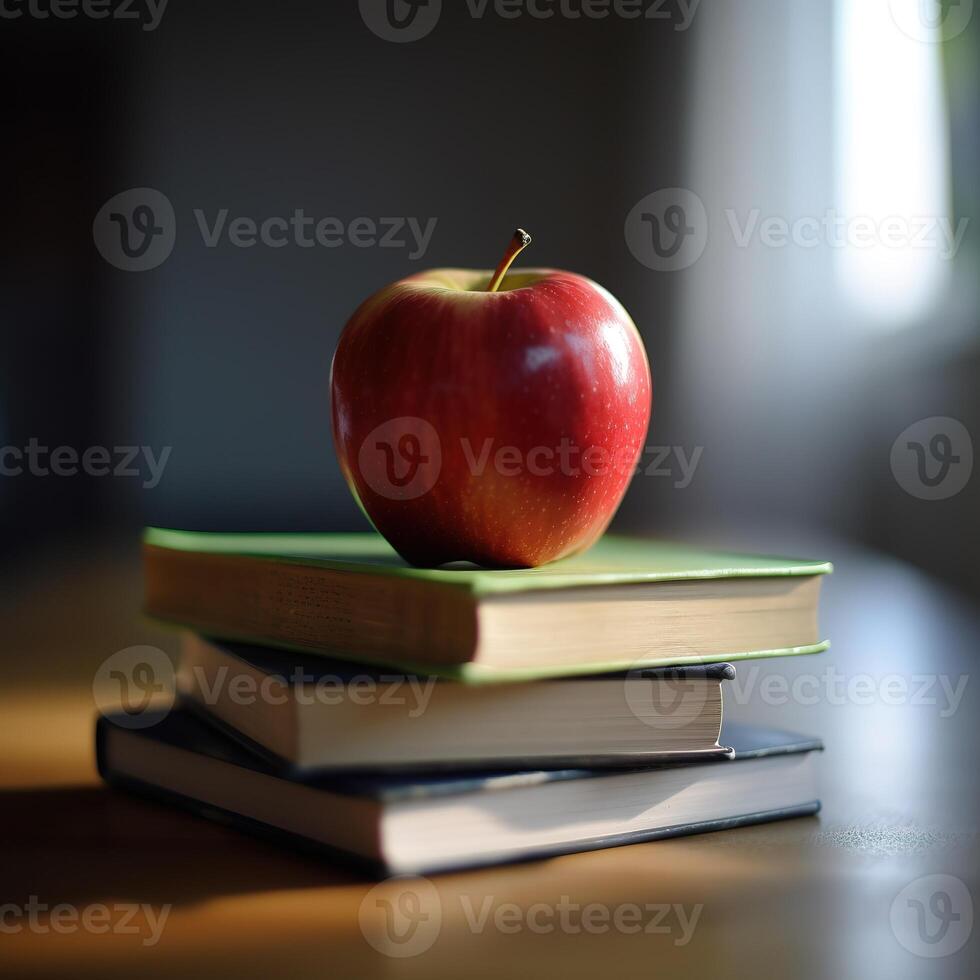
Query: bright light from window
[(892, 161)]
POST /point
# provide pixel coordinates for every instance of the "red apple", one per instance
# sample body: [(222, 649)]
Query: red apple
[(492, 418)]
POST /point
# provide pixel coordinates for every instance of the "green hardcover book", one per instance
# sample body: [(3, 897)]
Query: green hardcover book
[(624, 604)]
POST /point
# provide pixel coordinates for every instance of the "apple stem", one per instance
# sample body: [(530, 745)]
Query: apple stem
[(518, 243)]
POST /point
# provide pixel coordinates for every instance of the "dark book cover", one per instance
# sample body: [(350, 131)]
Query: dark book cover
[(287, 667), (184, 731)]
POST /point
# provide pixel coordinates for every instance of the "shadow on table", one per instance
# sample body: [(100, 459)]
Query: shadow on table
[(89, 844)]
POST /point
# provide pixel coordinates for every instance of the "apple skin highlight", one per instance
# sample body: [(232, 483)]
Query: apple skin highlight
[(534, 404)]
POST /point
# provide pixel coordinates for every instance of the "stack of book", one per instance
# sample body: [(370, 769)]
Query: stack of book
[(426, 719)]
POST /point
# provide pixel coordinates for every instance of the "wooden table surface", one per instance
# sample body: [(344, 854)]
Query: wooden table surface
[(827, 896)]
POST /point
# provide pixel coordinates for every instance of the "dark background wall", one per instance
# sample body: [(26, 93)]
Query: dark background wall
[(223, 353)]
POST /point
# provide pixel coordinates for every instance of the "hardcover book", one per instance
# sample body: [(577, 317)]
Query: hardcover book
[(624, 603), (314, 713), (424, 824)]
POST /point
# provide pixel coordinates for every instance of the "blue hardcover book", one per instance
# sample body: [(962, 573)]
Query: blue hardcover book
[(411, 824), (313, 713)]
